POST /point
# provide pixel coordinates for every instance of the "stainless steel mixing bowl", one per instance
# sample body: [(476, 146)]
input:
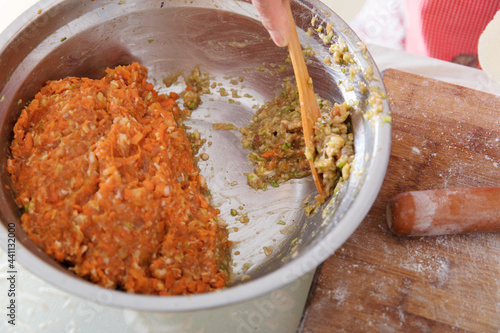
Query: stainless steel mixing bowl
[(59, 38)]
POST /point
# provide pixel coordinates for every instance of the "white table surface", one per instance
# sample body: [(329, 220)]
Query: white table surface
[(41, 307)]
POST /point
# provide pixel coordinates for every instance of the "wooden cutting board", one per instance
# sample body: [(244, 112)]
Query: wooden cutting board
[(443, 136)]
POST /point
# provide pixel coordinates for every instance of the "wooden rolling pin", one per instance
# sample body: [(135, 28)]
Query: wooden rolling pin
[(448, 211)]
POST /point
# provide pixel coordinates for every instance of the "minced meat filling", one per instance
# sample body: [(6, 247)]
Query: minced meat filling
[(277, 148), (108, 184), (276, 142)]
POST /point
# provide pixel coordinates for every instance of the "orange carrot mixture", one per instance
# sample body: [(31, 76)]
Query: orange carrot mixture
[(109, 187)]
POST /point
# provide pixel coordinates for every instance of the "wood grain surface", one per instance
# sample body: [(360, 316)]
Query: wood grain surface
[(443, 136)]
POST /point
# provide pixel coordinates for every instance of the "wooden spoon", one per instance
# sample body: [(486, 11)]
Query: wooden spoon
[(308, 104)]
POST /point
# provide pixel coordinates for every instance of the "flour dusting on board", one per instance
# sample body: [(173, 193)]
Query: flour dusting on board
[(339, 294)]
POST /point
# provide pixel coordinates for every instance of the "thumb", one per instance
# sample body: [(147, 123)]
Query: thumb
[(274, 17)]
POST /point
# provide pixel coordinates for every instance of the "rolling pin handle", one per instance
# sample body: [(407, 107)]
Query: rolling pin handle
[(442, 212)]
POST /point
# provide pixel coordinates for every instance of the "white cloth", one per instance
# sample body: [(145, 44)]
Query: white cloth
[(381, 22)]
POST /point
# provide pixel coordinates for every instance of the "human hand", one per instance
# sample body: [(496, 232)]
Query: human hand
[(274, 17)]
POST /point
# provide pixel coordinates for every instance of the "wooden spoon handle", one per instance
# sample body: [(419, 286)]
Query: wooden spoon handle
[(448, 211), (308, 104), (300, 69)]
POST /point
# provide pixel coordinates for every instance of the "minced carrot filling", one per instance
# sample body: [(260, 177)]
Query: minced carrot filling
[(109, 187)]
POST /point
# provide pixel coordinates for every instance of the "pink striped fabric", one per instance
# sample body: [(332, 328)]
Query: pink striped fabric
[(447, 30)]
